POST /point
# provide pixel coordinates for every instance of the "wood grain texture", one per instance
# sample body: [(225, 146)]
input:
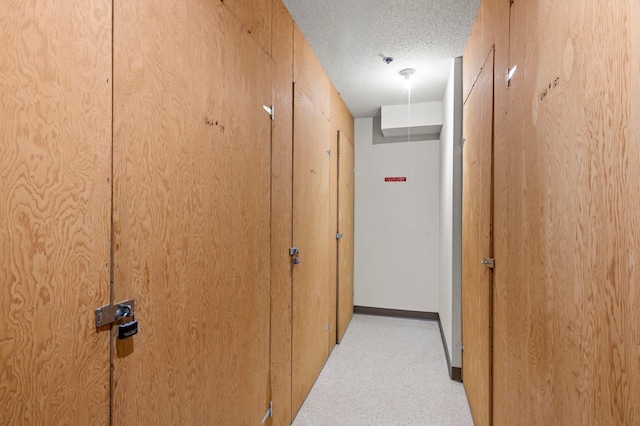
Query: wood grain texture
[(191, 214), (476, 245), (281, 214), (256, 18), (309, 75), (311, 312), (346, 180), (566, 226), (481, 40), (341, 118), (55, 162)]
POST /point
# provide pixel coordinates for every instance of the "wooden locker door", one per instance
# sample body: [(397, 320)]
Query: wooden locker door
[(476, 244), (567, 302), (55, 191), (191, 215), (281, 213), (310, 234), (345, 227)]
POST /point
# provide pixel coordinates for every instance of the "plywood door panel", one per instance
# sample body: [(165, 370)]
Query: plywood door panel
[(476, 245), (486, 28), (310, 234), (345, 227), (566, 301), (255, 17), (191, 215), (341, 118), (309, 75), (281, 214), (55, 191)]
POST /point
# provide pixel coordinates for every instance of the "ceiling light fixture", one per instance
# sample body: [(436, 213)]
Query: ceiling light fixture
[(407, 73)]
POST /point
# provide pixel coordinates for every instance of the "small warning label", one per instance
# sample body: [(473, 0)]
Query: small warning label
[(395, 179)]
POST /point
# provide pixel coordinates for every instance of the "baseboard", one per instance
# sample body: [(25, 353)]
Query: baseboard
[(455, 373), (366, 310)]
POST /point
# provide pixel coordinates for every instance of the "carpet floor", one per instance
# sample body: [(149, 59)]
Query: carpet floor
[(387, 371)]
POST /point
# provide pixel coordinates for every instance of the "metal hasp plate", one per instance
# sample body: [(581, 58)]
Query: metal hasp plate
[(111, 313), (295, 253), (490, 262), (338, 235)]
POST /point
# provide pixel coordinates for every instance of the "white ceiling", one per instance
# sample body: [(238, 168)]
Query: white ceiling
[(351, 37)]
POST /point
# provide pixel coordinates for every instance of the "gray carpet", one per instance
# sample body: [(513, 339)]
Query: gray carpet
[(386, 371)]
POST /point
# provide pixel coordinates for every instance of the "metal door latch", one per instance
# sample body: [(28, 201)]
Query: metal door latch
[(509, 75), (295, 253), (489, 262), (122, 312), (270, 110), (111, 313)]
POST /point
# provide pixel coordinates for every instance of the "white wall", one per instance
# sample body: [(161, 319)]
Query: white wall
[(451, 214), (396, 223), (423, 118)]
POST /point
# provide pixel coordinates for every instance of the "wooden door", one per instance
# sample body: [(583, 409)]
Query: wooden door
[(567, 300), (55, 190), (310, 342), (281, 213), (476, 244), (191, 215), (345, 228)]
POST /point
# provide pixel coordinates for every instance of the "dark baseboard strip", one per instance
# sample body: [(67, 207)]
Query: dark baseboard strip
[(455, 373), (446, 350), (433, 316)]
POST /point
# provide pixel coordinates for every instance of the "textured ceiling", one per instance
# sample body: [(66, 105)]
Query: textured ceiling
[(351, 37)]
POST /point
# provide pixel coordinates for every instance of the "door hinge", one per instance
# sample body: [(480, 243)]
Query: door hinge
[(461, 347), (489, 262), (328, 326), (269, 413), (338, 236), (462, 141), (269, 110), (329, 152)]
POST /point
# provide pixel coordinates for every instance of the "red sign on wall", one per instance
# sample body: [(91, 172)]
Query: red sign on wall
[(395, 179)]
